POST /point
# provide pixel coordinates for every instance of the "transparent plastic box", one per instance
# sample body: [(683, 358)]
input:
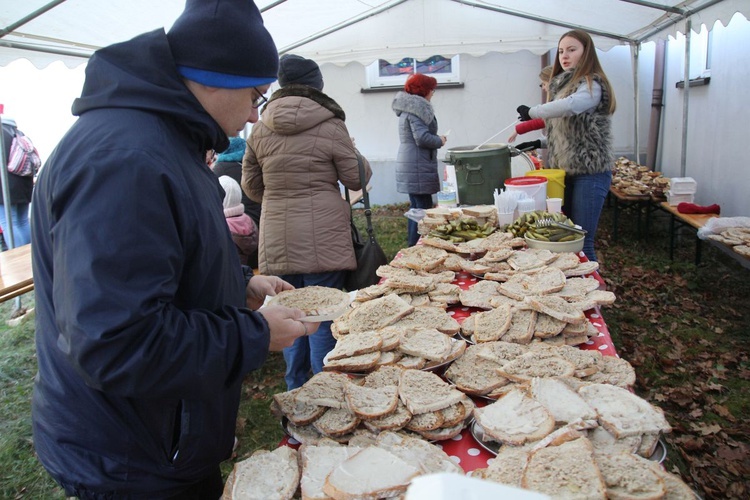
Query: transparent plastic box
[(683, 185)]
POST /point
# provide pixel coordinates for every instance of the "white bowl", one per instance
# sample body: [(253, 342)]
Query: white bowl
[(574, 246)]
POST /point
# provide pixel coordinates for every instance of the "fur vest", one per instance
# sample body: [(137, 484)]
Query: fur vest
[(582, 143)]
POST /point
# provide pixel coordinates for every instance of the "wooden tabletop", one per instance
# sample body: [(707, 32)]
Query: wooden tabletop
[(695, 220), (15, 272)]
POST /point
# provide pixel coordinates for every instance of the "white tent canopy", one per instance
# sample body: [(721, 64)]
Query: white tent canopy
[(344, 31)]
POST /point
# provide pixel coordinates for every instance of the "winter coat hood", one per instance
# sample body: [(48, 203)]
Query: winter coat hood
[(296, 108), (417, 105)]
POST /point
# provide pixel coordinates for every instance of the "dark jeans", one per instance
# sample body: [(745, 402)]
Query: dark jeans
[(584, 200), (417, 201), (307, 353)]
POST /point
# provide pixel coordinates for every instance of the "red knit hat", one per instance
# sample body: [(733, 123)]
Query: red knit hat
[(419, 84)]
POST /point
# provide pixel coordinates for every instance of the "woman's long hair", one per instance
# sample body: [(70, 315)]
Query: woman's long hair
[(588, 65)]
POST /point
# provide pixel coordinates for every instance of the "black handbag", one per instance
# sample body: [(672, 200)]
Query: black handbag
[(367, 250)]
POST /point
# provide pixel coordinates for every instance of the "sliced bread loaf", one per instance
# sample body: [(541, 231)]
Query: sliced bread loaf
[(324, 389), (630, 477), (298, 413), (428, 343), (355, 344), (623, 413), (561, 401), (317, 462), (556, 307), (533, 364), (491, 325)]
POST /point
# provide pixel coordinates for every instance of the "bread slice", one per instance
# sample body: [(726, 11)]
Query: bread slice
[(383, 376), (361, 363), (411, 362), (623, 413), (630, 477), (507, 467), (420, 258), (378, 313), (443, 433), (298, 413), (427, 343), (454, 414), (354, 479), (267, 474), (491, 325), (369, 403), (556, 307), (429, 317), (423, 392), (675, 487), (315, 301), (474, 375), (615, 371), (534, 364), (427, 456), (565, 261), (426, 421), (585, 362), (336, 422), (479, 295), (561, 401), (604, 442), (515, 419), (394, 421), (411, 284), (355, 344), (567, 471), (582, 269), (324, 389), (317, 462), (500, 351), (546, 326)]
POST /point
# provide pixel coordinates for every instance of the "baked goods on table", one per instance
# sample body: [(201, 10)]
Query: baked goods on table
[(541, 401), (632, 179), (738, 238)]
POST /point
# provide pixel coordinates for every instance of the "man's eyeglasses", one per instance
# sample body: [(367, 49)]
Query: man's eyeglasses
[(260, 100)]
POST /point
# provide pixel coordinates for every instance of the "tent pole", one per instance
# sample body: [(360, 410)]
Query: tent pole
[(685, 98), (634, 52), (657, 100)]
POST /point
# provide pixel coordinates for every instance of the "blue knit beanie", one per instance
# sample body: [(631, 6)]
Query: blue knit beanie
[(235, 151), (223, 43)]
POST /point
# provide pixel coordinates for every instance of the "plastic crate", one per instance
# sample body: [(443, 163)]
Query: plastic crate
[(683, 185), (675, 199)]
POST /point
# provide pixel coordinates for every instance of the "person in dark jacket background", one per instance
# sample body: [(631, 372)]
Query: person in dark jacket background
[(416, 162), (20, 188), (229, 162), (144, 327)]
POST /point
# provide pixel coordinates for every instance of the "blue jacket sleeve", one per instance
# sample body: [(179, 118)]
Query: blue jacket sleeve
[(422, 135)]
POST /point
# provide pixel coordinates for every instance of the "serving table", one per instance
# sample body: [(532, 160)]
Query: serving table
[(15, 272), (464, 449)]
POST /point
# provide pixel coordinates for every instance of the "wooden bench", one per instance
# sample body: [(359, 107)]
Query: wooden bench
[(15, 272), (679, 220), (635, 204)]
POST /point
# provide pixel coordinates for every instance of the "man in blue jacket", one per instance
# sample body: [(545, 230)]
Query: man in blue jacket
[(144, 330)]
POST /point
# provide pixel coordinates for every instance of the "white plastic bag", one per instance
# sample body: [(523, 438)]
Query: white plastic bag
[(716, 225)]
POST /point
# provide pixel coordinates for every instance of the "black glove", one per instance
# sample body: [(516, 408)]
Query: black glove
[(523, 113), (528, 146)]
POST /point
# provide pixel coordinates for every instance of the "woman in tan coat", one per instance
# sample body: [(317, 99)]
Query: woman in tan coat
[(296, 156)]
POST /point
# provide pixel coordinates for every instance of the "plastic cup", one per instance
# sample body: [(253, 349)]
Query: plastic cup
[(505, 219), (554, 205)]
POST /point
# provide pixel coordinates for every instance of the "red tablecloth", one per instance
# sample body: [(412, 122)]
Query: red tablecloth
[(464, 449)]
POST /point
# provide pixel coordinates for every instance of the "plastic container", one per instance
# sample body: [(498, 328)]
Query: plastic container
[(535, 187), (555, 181), (683, 185), (479, 172), (675, 199), (574, 246)]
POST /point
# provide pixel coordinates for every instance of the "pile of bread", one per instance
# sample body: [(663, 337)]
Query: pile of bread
[(572, 467), (736, 237), (369, 467), (633, 179), (438, 216), (335, 406)]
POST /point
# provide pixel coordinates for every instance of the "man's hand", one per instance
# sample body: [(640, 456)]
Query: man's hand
[(285, 326), (261, 286)]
